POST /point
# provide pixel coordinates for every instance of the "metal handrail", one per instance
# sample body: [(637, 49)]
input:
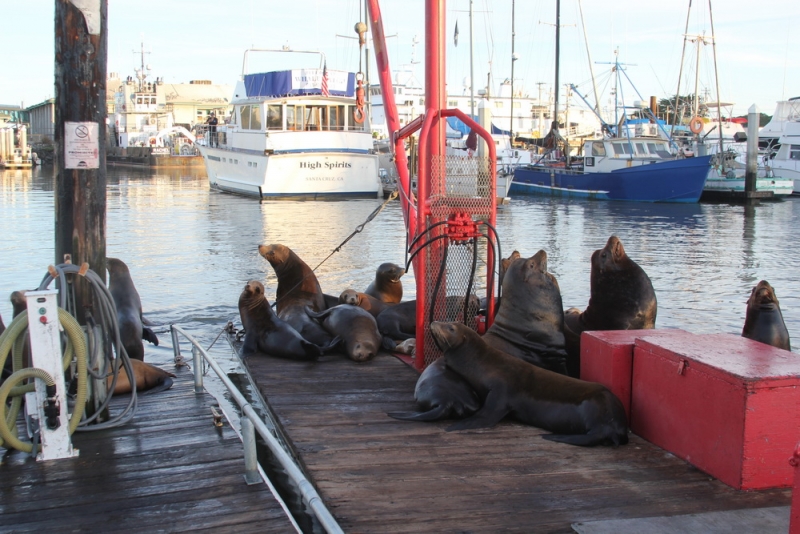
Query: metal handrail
[(307, 490)]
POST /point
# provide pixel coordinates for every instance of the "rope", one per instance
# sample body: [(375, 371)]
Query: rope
[(359, 229)]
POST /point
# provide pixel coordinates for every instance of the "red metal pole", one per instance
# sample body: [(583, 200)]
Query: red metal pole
[(390, 111)]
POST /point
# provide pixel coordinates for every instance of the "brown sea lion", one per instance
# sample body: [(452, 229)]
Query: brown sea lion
[(575, 411), (355, 326), (399, 321), (297, 288), (387, 285), (440, 394), (266, 333), (621, 298), (764, 320), (129, 309), (362, 300), (148, 378), (529, 323)]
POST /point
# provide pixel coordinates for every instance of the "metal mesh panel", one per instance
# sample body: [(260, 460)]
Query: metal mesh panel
[(455, 268)]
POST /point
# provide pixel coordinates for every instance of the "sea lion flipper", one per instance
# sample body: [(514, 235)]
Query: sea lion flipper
[(335, 342), (163, 386), (388, 343), (312, 351), (439, 411), (581, 440), (150, 336), (316, 315), (490, 414)]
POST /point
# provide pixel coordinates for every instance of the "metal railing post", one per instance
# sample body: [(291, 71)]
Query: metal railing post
[(251, 474), (176, 346), (197, 362)]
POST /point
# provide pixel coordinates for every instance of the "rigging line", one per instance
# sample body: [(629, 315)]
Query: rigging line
[(358, 230)]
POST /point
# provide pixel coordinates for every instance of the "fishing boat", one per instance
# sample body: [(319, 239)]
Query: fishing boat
[(636, 169), (299, 133)]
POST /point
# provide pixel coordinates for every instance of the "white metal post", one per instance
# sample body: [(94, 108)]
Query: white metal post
[(44, 329)]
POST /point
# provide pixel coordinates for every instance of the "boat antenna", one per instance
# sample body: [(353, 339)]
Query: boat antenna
[(513, 60), (589, 57)]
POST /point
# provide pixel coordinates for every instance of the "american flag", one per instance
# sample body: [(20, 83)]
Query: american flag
[(325, 91)]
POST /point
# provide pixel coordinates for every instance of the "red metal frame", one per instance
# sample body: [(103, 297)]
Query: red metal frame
[(431, 126)]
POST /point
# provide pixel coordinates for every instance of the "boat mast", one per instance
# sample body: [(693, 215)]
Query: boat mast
[(471, 73), (513, 60), (716, 82), (680, 72), (554, 126)]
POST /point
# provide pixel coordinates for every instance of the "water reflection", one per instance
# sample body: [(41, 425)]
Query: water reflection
[(191, 250)]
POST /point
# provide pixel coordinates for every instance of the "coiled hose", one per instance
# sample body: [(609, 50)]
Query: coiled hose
[(13, 338)]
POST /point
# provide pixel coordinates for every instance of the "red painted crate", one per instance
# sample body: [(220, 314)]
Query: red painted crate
[(607, 358), (724, 403), (794, 521)]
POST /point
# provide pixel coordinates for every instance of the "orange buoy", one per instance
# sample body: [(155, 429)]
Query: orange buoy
[(696, 124)]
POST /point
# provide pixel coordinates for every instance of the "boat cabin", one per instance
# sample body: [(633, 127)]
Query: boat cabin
[(604, 155)]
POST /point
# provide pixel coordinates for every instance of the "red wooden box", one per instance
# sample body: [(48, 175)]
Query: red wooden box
[(607, 358), (724, 403)]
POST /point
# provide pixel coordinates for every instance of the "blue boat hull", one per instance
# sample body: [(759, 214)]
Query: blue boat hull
[(669, 181)]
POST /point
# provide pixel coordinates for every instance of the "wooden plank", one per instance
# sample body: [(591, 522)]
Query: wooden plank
[(377, 474), (170, 469)]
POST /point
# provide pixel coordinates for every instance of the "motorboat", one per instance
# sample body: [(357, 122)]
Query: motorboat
[(300, 133)]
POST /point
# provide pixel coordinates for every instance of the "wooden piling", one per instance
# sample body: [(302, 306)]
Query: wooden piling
[(751, 170), (81, 46)]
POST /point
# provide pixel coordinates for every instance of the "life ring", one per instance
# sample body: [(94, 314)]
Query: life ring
[(696, 124), (358, 115), (153, 141)]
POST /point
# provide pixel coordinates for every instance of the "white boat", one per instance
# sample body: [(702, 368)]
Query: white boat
[(285, 138), (785, 161), (734, 183)]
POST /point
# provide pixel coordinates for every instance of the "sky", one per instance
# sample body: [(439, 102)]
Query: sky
[(756, 44)]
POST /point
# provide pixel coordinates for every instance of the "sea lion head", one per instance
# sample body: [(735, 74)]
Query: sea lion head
[(390, 272), (18, 302), (763, 296), (349, 296), (505, 262), (610, 257), (530, 272), (116, 266), (448, 335), (362, 351), (276, 254), (252, 294)]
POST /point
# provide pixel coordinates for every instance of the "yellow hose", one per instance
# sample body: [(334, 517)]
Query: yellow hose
[(76, 339)]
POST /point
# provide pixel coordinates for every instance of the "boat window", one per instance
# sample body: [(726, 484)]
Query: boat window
[(626, 148), (336, 117), (294, 118), (618, 150), (499, 104), (244, 111), (640, 148), (653, 148), (598, 149), (794, 152), (255, 117), (274, 117)]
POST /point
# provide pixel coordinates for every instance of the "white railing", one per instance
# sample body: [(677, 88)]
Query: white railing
[(251, 420)]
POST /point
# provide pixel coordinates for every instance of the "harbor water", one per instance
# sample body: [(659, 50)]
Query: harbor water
[(191, 250)]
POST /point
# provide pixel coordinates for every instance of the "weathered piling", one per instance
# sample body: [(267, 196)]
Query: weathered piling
[(752, 150), (81, 46)]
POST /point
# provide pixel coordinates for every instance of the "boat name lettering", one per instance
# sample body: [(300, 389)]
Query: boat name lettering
[(327, 165)]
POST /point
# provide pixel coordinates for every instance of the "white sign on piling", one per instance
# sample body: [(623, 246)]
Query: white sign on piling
[(81, 145)]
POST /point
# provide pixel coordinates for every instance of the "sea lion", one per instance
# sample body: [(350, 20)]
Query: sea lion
[(621, 298), (529, 323), (387, 285), (356, 328), (577, 412), (148, 378), (266, 333), (441, 394), (18, 302), (399, 321), (129, 309), (362, 300), (297, 288), (764, 320)]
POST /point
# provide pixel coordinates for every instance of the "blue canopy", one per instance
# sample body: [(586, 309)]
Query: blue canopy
[(299, 82)]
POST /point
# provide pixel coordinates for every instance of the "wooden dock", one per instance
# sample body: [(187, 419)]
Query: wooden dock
[(377, 474), (168, 470)]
